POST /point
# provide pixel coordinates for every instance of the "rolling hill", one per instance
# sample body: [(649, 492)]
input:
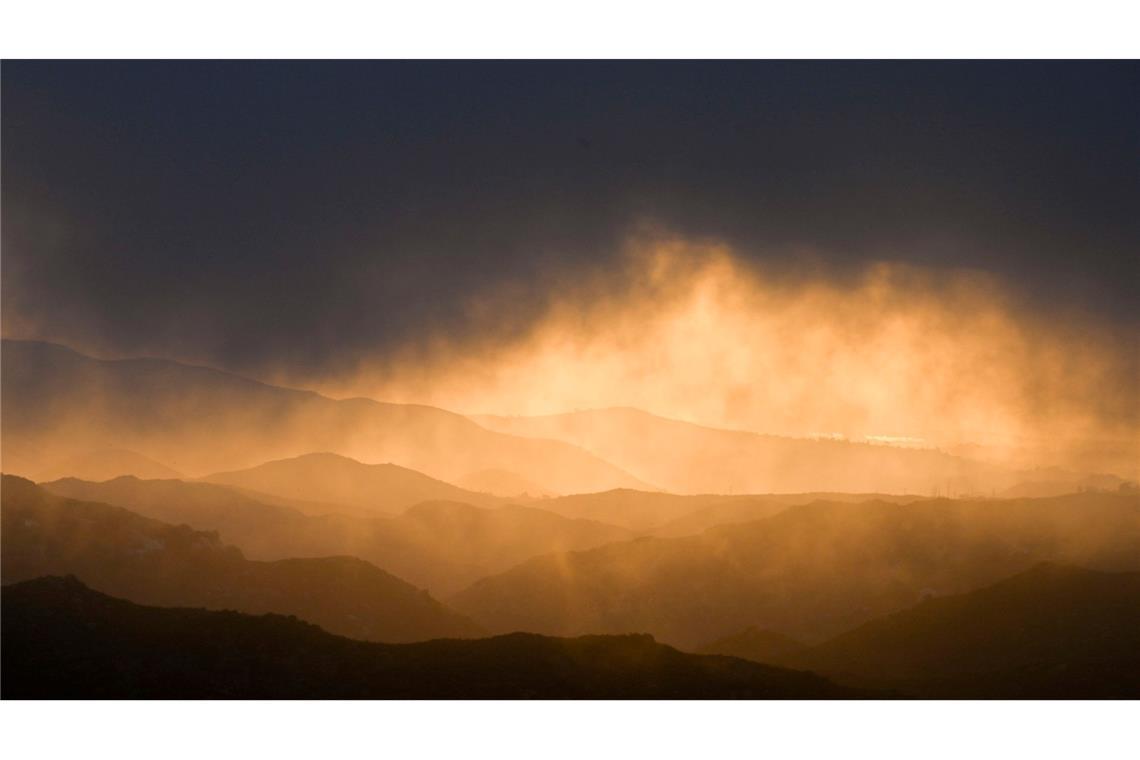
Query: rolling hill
[(65, 641), (809, 572), (682, 457), (441, 546), (153, 562), (333, 479), (1051, 631), (56, 402)]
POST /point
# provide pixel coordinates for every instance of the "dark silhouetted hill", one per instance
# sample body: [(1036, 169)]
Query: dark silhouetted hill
[(63, 640), (441, 546), (811, 571), (152, 562), (200, 420), (1051, 631)]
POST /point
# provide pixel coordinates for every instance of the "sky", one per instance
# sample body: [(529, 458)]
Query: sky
[(301, 220)]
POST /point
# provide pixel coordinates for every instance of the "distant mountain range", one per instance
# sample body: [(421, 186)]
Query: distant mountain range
[(439, 545), (66, 414), (809, 572), (152, 562), (204, 526), (63, 640), (57, 402), (1051, 631), (686, 458)]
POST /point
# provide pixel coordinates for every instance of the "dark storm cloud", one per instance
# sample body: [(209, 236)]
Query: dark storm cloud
[(305, 214)]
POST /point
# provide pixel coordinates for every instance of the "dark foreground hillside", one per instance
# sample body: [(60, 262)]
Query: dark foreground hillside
[(63, 640), (1049, 632)]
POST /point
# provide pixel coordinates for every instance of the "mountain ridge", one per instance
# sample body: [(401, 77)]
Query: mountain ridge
[(689, 458), (327, 477), (200, 420), (154, 562), (63, 640), (439, 545)]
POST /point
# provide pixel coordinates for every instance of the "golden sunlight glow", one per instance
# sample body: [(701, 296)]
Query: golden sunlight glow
[(899, 356)]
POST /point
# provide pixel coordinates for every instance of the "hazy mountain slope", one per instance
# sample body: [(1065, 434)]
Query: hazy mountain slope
[(1048, 624), (330, 478), (442, 546), (108, 463), (200, 420), (753, 644), (664, 514), (232, 512), (63, 640), (729, 510), (648, 510), (152, 562), (810, 571), (687, 458), (502, 483)]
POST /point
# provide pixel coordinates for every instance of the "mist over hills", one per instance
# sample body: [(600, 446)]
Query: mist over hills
[(1050, 631), (153, 562), (282, 515), (686, 458), (809, 572), (439, 545), (64, 640), (200, 420), (570, 379)]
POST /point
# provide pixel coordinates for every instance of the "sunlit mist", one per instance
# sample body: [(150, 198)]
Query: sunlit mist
[(896, 354)]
